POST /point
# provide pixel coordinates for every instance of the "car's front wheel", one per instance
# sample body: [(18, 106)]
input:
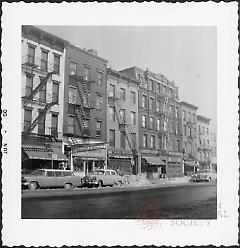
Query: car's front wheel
[(33, 185), (67, 185), (100, 183)]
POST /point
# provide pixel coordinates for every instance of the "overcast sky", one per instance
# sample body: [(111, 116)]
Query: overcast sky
[(186, 55)]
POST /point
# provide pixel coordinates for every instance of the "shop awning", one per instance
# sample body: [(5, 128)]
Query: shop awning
[(44, 153), (154, 160), (191, 163)]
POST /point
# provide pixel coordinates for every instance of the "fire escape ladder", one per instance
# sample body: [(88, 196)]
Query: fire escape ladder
[(39, 87), (121, 121), (40, 116), (80, 118), (85, 92)]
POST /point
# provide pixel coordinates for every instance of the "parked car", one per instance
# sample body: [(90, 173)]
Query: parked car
[(204, 175), (100, 178), (50, 178)]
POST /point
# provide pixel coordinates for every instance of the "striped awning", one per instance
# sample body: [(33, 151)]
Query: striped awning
[(44, 153), (154, 160)]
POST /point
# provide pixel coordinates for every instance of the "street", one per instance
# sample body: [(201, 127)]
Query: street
[(193, 201)]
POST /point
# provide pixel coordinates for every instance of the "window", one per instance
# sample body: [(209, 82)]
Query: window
[(133, 118), (144, 121), (134, 139), (98, 128), (200, 142), (159, 88), (42, 93), (189, 131), (29, 85), (151, 122), (165, 125), (171, 108), (140, 78), (203, 130), (144, 101), (204, 143), (176, 112), (145, 140), (55, 92), (184, 115), (99, 78), (50, 174), (199, 128), (194, 118), (122, 94), (86, 73), (112, 113), (189, 116), (164, 88), (71, 124), (31, 54), (41, 123), (207, 143), (112, 137), (207, 130), (99, 102), (111, 90), (151, 84), (58, 173), (133, 97), (171, 91), (158, 124), (72, 68), (195, 132), (178, 146), (185, 129), (152, 142), (56, 64), (158, 106), (176, 130), (123, 115), (122, 139), (72, 95), (54, 125), (27, 119), (44, 60), (172, 126), (107, 173), (151, 103)]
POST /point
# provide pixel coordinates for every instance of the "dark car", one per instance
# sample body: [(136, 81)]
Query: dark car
[(200, 177)]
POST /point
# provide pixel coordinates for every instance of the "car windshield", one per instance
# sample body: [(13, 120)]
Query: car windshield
[(98, 172), (37, 173)]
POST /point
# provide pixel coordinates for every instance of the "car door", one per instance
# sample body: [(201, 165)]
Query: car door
[(49, 180), (107, 178), (60, 180), (114, 177)]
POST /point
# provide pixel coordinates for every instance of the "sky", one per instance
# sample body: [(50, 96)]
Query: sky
[(186, 55)]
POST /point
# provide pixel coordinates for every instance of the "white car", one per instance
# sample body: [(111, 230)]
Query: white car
[(101, 177)]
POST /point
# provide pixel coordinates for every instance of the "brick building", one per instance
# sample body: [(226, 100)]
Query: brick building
[(84, 115), (42, 71), (189, 136), (159, 115), (122, 122), (204, 149), (213, 145)]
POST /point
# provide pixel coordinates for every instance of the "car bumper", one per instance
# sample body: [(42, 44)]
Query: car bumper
[(89, 183)]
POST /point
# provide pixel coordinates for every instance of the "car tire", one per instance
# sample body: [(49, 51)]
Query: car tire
[(100, 183), (33, 185), (67, 185)]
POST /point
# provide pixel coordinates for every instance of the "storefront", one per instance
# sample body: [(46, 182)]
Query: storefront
[(175, 165), (121, 161), (43, 156), (190, 167), (154, 166), (85, 156)]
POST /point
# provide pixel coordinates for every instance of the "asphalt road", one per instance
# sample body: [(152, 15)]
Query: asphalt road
[(193, 201)]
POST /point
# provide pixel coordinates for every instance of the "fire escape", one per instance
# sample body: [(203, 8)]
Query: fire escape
[(123, 125), (82, 108), (31, 65)]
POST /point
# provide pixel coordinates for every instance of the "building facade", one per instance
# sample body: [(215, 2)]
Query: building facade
[(42, 93), (122, 123), (204, 150), (213, 145), (189, 136), (85, 104), (160, 129)]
